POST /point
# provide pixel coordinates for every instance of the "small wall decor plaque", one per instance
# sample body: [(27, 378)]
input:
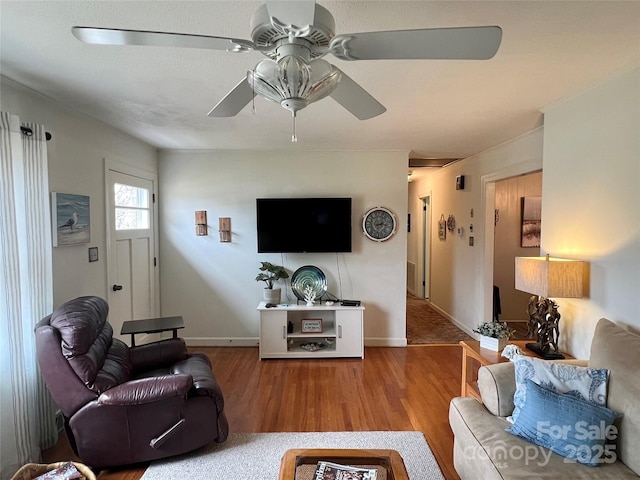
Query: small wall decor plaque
[(451, 223), (311, 325), (442, 228)]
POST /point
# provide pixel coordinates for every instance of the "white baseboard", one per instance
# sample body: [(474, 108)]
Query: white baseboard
[(461, 326), (385, 342), (222, 341), (255, 341)]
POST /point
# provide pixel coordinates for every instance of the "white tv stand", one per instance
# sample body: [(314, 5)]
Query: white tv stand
[(341, 336)]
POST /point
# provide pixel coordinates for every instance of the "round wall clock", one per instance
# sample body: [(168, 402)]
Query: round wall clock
[(379, 224)]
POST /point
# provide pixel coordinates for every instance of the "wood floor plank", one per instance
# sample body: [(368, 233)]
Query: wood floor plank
[(391, 389)]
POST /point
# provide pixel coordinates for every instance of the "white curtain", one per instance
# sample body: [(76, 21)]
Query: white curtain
[(27, 414)]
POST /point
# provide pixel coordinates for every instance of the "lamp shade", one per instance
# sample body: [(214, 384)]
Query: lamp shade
[(550, 277)]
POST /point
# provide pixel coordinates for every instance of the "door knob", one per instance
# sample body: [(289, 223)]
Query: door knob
[(115, 288)]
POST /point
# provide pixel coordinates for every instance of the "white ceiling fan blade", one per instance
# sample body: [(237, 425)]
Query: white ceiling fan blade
[(116, 36), (458, 43), (234, 101), (356, 99), (298, 13)]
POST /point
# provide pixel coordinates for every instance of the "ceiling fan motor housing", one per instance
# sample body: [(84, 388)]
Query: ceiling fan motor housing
[(265, 33)]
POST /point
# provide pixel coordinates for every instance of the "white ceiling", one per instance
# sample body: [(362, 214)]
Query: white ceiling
[(435, 108)]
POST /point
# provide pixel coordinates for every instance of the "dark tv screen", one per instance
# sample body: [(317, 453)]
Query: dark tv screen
[(303, 225)]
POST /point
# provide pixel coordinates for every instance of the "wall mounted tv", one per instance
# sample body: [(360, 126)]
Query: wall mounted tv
[(303, 225)]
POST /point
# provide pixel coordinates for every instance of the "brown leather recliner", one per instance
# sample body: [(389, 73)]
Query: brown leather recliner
[(126, 405)]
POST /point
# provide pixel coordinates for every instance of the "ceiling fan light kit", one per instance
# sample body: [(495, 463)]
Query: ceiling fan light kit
[(292, 82), (295, 35)]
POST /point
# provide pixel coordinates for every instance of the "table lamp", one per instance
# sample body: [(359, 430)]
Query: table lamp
[(547, 277)]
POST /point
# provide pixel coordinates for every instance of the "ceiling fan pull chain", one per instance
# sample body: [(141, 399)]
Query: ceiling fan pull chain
[(294, 138)]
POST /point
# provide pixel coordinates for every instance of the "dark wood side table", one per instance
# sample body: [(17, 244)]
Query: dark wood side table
[(472, 355), (151, 325)]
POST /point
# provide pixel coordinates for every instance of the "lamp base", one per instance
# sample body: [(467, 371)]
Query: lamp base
[(545, 355)]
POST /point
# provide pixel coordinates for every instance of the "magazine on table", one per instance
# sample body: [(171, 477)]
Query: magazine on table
[(336, 471)]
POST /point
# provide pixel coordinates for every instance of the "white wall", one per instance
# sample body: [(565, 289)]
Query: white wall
[(212, 284), (591, 206), (458, 283), (76, 165)]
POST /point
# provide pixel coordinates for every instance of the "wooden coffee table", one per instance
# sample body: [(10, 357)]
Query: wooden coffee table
[(300, 463)]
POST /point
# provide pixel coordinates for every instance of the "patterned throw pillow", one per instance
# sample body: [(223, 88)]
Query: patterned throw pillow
[(576, 429), (589, 384)]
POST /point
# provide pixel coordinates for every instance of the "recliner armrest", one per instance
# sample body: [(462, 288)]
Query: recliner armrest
[(147, 390), (198, 366), (158, 354)]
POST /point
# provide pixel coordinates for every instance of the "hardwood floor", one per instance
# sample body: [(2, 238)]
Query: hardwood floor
[(391, 389)]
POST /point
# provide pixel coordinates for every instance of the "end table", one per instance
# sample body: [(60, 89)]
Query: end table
[(472, 355), (151, 325)]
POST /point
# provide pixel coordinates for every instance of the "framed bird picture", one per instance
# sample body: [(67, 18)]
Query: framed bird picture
[(70, 219)]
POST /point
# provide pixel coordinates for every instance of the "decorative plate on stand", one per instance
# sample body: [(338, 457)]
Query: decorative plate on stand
[(308, 276)]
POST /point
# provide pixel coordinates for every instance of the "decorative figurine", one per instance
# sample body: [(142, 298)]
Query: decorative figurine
[(309, 295), (544, 320)]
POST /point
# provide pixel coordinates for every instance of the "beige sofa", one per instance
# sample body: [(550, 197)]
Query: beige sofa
[(484, 450)]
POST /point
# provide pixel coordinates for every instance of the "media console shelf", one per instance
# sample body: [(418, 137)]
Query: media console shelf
[(282, 335)]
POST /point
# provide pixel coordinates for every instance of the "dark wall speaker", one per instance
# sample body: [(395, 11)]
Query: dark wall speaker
[(460, 182)]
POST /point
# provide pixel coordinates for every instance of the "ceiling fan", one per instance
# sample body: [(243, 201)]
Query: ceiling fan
[(295, 35)]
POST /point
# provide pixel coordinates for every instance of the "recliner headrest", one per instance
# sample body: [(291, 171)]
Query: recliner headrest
[(86, 337), (80, 322)]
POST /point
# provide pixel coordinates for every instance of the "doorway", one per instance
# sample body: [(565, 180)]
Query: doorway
[(425, 323), (488, 187), (426, 247), (509, 242), (131, 244), (419, 247)]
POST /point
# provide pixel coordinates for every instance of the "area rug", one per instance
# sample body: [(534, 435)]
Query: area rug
[(256, 456), (426, 326)]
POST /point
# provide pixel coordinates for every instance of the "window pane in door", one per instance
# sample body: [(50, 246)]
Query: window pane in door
[(130, 196), (131, 219), (132, 207)]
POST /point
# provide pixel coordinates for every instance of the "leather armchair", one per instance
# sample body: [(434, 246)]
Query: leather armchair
[(126, 405)]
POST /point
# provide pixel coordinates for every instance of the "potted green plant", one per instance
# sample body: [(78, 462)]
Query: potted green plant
[(270, 273), (494, 335)]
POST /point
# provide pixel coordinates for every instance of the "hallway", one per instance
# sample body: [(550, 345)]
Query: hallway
[(426, 326)]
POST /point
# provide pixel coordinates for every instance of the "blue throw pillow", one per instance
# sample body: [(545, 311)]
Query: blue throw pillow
[(568, 426)]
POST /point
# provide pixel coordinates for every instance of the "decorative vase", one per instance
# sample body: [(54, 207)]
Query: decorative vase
[(491, 343), (272, 295)]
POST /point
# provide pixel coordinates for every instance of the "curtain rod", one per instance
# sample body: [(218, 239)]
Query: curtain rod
[(28, 132)]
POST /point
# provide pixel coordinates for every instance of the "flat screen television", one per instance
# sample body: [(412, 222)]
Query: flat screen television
[(303, 225)]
